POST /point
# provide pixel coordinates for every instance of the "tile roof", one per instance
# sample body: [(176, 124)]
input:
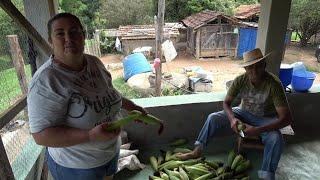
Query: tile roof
[(202, 18), (246, 11)]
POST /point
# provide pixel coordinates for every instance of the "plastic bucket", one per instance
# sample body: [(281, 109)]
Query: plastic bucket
[(285, 74), (302, 81), (135, 64)]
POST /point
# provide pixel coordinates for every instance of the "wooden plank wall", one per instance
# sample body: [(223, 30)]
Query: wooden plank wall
[(215, 43)]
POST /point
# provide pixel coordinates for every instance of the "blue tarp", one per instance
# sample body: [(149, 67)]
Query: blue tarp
[(247, 40), (248, 37)]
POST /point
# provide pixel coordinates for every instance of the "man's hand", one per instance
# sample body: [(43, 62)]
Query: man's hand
[(234, 123), (99, 133), (251, 131)]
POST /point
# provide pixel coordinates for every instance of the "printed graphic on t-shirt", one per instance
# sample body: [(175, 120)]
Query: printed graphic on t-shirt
[(253, 102), (103, 100)]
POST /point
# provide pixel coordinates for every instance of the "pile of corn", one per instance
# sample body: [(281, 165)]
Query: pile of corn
[(170, 167)]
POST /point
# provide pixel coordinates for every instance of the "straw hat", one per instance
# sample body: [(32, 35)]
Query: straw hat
[(252, 57)]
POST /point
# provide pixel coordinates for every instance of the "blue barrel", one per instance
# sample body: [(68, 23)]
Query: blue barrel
[(135, 64)]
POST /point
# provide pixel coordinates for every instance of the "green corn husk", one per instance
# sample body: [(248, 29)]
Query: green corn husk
[(148, 119), (119, 123)]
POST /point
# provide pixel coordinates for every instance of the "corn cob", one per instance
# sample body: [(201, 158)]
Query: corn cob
[(164, 176), (236, 161), (173, 165), (173, 177), (191, 162), (168, 155), (160, 160), (241, 126), (154, 163), (231, 157), (171, 173), (196, 170), (148, 119), (226, 175), (220, 170), (206, 176), (183, 174), (242, 167), (212, 164), (201, 166), (119, 123)]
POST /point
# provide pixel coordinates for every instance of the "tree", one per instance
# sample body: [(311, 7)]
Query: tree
[(305, 19), (124, 12), (225, 6), (8, 27), (86, 10)]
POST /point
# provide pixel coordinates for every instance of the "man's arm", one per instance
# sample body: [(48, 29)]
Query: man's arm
[(284, 119), (228, 110)]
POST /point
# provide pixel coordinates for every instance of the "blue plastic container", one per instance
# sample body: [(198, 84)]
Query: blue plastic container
[(302, 81), (135, 64), (285, 74)]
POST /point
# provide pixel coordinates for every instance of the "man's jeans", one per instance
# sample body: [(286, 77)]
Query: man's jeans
[(273, 140)]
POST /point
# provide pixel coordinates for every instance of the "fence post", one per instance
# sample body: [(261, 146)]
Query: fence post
[(18, 62), (5, 168)]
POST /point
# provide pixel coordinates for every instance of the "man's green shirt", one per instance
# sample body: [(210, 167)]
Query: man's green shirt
[(262, 100)]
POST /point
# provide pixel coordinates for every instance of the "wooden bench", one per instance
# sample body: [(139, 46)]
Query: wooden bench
[(255, 141)]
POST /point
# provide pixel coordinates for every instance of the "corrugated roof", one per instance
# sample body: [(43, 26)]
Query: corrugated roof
[(204, 17), (247, 11), (147, 31)]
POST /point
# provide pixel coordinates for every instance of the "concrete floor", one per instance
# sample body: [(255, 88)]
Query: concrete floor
[(300, 159)]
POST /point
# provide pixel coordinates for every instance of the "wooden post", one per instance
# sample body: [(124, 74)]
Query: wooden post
[(159, 38), (6, 172), (198, 43), (18, 62)]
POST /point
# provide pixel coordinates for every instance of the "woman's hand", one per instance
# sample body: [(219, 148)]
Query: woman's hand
[(99, 133)]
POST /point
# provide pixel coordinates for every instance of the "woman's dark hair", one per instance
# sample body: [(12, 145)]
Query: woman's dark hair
[(63, 15)]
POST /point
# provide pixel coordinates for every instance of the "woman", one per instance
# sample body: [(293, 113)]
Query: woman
[(70, 100)]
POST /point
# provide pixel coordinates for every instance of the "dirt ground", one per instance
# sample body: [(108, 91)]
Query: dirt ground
[(223, 69)]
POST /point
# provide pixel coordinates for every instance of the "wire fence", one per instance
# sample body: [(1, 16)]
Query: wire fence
[(16, 50)]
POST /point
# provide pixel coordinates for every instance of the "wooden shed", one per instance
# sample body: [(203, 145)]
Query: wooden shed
[(134, 36), (211, 34)]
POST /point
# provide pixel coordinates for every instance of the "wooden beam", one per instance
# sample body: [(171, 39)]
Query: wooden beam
[(18, 62), (198, 43), (11, 112), (159, 39), (15, 14), (6, 172)]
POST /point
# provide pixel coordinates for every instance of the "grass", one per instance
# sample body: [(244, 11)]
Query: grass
[(5, 62), (295, 37), (9, 86), (124, 89)]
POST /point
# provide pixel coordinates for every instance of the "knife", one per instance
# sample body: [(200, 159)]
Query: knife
[(241, 133)]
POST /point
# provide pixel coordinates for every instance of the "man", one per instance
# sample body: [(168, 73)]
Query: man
[(263, 108)]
